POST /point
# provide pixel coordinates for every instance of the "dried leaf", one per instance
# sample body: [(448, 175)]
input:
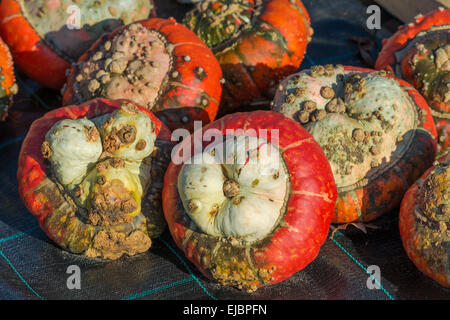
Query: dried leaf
[(359, 225)]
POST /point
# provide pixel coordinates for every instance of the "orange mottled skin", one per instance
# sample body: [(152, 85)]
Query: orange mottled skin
[(443, 128)]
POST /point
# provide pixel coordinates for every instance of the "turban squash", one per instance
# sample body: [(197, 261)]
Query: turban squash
[(254, 206), (92, 175), (257, 43), (425, 222), (419, 52), (377, 132), (156, 63)]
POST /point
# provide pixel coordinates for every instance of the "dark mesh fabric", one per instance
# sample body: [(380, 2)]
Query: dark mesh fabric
[(31, 267)]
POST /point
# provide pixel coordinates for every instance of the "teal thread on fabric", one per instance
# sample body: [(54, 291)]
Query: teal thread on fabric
[(20, 234), (362, 267), (18, 274), (160, 288), (3, 145), (188, 269), (9, 142)]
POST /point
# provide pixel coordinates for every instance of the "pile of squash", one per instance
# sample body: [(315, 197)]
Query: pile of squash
[(154, 132)]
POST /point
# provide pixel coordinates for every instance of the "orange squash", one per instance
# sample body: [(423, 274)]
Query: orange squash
[(92, 175), (8, 86), (417, 52), (424, 222), (376, 130), (257, 43), (259, 216), (157, 63)]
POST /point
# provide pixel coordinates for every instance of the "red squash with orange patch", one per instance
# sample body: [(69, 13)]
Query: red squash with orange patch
[(47, 36), (253, 207), (156, 63)]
